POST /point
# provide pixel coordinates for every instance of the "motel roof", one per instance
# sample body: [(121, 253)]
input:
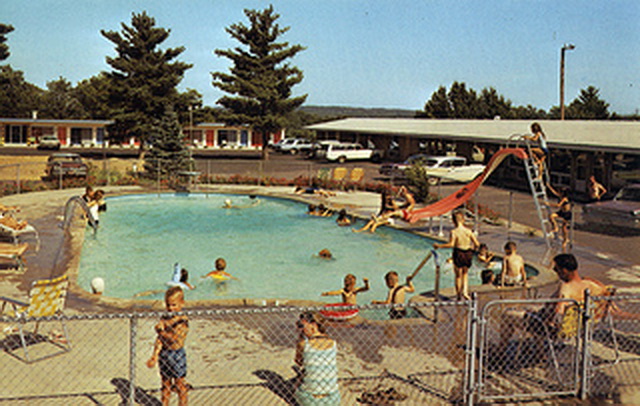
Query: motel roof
[(610, 136), (31, 121)]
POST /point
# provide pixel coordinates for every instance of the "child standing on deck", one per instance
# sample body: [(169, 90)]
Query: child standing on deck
[(349, 291), (464, 243), (396, 295), (168, 351)]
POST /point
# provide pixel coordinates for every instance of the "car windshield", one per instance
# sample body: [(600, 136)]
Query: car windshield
[(631, 194)]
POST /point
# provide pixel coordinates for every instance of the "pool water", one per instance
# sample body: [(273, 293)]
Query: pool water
[(270, 249)]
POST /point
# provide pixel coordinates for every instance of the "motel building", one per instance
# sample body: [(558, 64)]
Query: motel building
[(93, 133), (608, 150)]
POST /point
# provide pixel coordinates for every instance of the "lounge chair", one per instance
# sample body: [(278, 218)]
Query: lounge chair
[(339, 174), (324, 174), (356, 175), (46, 298), (14, 253), (15, 235)]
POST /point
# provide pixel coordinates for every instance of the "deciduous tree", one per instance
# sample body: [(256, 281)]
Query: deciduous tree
[(260, 80)]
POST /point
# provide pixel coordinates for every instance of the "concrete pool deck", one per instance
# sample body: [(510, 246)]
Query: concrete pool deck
[(43, 210)]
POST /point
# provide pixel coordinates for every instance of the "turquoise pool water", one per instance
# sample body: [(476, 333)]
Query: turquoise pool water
[(270, 248)]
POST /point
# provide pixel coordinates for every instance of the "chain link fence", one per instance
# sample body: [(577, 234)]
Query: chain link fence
[(246, 356), (239, 357)]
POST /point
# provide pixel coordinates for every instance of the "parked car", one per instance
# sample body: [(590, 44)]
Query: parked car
[(66, 164), (446, 168), (349, 151), (320, 148), (49, 142), (295, 146), (623, 211)]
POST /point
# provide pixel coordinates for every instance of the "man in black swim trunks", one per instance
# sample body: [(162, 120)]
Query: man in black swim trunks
[(464, 244)]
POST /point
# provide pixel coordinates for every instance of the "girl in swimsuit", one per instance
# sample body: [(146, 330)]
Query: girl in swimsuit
[(541, 151)]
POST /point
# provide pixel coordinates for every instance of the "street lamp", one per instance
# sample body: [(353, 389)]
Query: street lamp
[(565, 47)]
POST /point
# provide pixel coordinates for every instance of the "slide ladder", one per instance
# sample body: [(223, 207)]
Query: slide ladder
[(537, 183)]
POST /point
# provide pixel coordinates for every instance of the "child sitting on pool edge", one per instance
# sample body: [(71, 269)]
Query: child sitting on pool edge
[(396, 295), (349, 291)]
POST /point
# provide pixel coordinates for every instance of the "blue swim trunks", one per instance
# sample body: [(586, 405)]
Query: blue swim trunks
[(173, 363)]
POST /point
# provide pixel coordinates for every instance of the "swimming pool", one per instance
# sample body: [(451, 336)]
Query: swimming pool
[(270, 248)]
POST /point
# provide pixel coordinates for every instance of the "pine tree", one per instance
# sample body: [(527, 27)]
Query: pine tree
[(168, 153), (144, 79), (4, 49), (260, 81)]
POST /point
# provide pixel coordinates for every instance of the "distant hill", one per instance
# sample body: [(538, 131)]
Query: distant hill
[(340, 111)]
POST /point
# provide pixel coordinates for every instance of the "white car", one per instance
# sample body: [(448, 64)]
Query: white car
[(445, 168), (295, 145), (344, 151)]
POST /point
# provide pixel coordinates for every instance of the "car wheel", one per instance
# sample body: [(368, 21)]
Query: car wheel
[(376, 158), (294, 151), (432, 181), (342, 159)]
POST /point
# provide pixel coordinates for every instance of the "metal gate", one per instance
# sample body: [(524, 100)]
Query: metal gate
[(524, 353)]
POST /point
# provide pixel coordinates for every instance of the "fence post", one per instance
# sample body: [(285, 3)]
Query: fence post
[(586, 342), (470, 364), (18, 179), (133, 330)]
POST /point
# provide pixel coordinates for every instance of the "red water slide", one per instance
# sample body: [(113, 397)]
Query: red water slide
[(466, 192)]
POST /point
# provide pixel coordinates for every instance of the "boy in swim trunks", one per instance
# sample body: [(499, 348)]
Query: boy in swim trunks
[(512, 267), (464, 244), (396, 295), (168, 351), (349, 291)]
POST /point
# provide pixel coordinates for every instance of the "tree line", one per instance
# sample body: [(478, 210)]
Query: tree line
[(462, 103), (140, 91)]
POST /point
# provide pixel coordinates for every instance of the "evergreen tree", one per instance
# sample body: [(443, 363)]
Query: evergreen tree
[(259, 82), (4, 48), (18, 98), (588, 106), (464, 103), (438, 106), (144, 79), (168, 153), (492, 105)]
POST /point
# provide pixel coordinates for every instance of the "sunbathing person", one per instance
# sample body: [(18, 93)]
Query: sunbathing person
[(349, 291), (4, 209), (313, 190)]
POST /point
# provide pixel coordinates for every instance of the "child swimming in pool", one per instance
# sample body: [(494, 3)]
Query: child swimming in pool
[(219, 274), (349, 291), (396, 294), (180, 277), (168, 351)]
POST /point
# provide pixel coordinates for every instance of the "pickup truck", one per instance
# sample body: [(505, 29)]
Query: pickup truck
[(343, 152), (66, 164)]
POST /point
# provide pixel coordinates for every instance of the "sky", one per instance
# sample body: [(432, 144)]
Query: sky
[(362, 53)]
